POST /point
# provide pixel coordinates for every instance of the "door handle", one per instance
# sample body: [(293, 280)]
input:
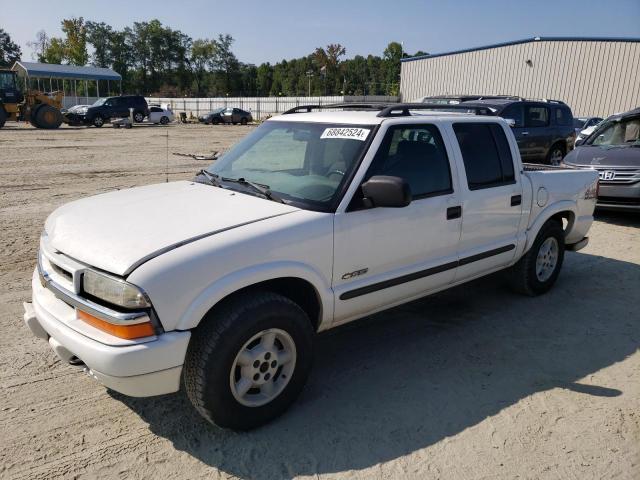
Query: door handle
[(524, 133), (454, 212), (516, 200)]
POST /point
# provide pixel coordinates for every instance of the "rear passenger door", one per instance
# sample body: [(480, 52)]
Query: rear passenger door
[(383, 256), (538, 132), (492, 204)]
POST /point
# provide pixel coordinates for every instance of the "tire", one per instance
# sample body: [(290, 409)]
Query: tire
[(555, 155), (212, 372), (243, 121), (235, 123), (48, 117), (215, 121), (98, 121), (164, 120), (3, 116), (33, 116), (138, 117), (530, 278)]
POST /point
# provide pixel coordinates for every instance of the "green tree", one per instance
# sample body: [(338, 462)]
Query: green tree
[(75, 42), (9, 51), (99, 36)]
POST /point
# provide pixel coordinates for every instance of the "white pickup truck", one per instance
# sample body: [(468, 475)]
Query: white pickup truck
[(314, 219)]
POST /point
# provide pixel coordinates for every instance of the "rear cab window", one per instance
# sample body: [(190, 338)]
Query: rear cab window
[(486, 154)]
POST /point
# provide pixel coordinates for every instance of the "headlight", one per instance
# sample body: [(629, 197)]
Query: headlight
[(113, 290)]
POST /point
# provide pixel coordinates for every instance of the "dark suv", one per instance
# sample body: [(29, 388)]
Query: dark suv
[(543, 128), (104, 109)]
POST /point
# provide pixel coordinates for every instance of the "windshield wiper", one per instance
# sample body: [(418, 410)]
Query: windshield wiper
[(212, 178), (262, 190)]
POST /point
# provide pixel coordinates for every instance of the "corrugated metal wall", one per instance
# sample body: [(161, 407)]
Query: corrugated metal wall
[(592, 77)]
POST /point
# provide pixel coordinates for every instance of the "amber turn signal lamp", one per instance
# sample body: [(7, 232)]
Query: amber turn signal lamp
[(128, 332)]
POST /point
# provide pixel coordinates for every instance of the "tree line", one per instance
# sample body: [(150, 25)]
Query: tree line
[(157, 60)]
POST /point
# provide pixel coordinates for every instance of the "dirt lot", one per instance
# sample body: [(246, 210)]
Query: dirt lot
[(475, 382)]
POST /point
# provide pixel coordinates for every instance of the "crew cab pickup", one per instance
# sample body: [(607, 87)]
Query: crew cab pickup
[(314, 219)]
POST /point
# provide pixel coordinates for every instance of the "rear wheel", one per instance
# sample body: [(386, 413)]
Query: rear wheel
[(3, 117), (537, 271), (555, 155), (138, 117), (48, 117), (244, 121), (164, 120), (249, 360)]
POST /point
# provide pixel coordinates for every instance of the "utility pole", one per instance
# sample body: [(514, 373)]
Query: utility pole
[(309, 75)]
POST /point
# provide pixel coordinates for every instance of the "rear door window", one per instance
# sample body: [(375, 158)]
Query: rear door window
[(535, 116), (486, 155), (563, 117)]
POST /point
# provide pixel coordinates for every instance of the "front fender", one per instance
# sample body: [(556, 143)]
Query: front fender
[(545, 215), (224, 286)]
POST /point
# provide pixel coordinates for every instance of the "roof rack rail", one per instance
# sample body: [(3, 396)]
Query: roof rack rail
[(345, 106), (404, 109)]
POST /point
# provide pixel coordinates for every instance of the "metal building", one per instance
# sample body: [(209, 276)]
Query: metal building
[(594, 76)]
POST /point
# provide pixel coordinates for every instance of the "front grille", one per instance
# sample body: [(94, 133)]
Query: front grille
[(618, 175), (61, 271)]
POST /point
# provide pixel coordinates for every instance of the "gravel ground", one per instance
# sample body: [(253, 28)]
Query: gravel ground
[(475, 382)]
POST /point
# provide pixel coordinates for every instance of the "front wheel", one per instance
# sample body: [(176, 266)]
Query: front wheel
[(537, 271), (164, 120), (98, 121), (249, 360)]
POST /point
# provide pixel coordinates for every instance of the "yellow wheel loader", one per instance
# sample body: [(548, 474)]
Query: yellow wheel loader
[(40, 109)]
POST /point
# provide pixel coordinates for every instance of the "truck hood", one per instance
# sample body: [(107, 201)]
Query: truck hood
[(594, 156), (118, 231)]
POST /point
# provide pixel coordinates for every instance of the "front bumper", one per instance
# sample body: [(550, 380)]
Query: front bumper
[(139, 369), (75, 119), (619, 196)]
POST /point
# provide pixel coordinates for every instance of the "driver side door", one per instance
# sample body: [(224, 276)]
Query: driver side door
[(385, 256)]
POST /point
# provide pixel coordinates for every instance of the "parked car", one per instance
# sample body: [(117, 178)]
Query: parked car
[(104, 109), (214, 117), (226, 115), (613, 149), (319, 219), (543, 128), (237, 115), (161, 114), (582, 123)]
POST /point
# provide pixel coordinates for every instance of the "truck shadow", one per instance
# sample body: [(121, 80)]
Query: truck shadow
[(405, 379)]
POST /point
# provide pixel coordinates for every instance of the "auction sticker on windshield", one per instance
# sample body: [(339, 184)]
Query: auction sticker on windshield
[(346, 133)]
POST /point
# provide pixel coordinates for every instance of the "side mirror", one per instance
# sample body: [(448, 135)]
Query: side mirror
[(385, 191), (578, 142), (511, 122)]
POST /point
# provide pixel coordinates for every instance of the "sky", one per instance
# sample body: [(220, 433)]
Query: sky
[(272, 30)]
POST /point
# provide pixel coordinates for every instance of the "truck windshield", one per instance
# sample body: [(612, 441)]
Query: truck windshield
[(305, 164), (625, 132), (7, 80)]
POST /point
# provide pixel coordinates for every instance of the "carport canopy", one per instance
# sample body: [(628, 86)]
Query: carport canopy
[(71, 72)]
